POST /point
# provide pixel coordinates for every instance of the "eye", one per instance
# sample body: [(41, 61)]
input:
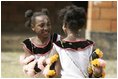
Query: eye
[(41, 25)]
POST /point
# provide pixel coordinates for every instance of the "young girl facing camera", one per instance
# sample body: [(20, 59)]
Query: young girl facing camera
[(38, 47)]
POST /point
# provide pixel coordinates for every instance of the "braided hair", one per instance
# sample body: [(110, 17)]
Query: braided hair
[(30, 16)]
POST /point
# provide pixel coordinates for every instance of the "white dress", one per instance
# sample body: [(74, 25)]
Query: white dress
[(43, 50), (74, 62)]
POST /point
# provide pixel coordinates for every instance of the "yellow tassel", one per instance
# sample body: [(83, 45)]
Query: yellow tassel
[(54, 58), (99, 53), (90, 71), (98, 63), (51, 73), (95, 62)]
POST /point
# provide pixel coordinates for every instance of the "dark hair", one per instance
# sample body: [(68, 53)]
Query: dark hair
[(30, 16), (73, 16)]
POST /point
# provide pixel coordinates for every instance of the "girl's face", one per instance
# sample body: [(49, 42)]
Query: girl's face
[(42, 26)]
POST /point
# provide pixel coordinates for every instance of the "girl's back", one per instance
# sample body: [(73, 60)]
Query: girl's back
[(74, 57)]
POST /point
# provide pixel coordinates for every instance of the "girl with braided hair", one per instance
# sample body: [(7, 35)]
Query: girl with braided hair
[(38, 47)]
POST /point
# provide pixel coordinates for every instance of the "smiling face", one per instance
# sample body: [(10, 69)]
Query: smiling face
[(42, 26)]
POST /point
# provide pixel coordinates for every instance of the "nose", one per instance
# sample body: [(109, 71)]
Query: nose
[(46, 27)]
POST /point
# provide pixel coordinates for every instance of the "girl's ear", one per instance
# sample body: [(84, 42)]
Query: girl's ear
[(32, 27), (64, 25)]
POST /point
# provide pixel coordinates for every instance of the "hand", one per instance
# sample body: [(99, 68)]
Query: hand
[(28, 64), (41, 62), (98, 68), (25, 60), (97, 71), (29, 69)]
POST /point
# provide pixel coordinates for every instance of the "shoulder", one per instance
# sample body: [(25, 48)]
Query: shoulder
[(75, 44), (27, 43), (28, 40), (55, 37), (90, 41)]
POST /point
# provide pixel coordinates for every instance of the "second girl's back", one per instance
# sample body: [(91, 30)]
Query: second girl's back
[(74, 52)]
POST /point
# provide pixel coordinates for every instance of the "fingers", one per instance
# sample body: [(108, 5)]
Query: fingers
[(31, 72), (48, 61), (28, 59), (32, 64), (40, 63), (29, 69), (46, 69), (22, 57), (97, 70), (29, 64), (102, 63)]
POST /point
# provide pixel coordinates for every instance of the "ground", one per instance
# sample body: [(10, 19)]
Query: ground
[(10, 67)]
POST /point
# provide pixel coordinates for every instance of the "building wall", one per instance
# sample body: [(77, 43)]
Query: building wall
[(104, 16), (102, 25)]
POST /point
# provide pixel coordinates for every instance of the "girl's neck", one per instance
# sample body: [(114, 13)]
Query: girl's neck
[(72, 36), (41, 40)]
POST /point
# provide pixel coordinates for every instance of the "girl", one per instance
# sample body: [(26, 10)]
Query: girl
[(74, 52), (39, 47)]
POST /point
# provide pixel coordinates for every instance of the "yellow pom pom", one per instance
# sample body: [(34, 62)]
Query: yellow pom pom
[(99, 53), (95, 62), (90, 71), (54, 58), (51, 73)]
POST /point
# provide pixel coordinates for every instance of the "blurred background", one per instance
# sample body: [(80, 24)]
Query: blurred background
[(101, 27)]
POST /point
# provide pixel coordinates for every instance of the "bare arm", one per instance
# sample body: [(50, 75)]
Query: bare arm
[(27, 61), (23, 58)]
